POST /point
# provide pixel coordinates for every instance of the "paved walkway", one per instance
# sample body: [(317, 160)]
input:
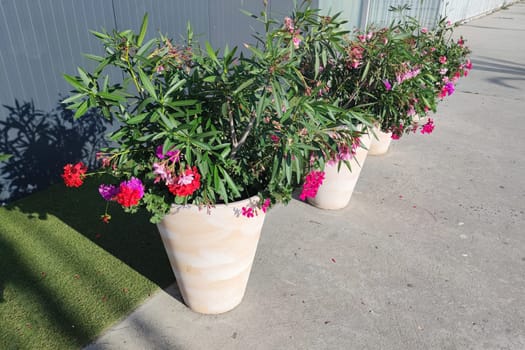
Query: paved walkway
[(430, 254)]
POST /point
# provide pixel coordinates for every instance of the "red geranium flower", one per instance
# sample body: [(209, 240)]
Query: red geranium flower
[(130, 192), (186, 183), (74, 174)]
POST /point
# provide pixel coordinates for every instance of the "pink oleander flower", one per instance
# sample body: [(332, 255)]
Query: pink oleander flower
[(266, 204), (163, 173), (311, 185), (468, 64), (443, 71), (442, 59), (387, 84), (456, 77), (411, 111), (288, 24), (397, 132), (248, 212), (424, 30), (447, 90), (296, 41), (461, 42), (428, 127), (185, 179)]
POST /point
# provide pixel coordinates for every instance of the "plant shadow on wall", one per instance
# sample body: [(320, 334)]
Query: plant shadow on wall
[(40, 143)]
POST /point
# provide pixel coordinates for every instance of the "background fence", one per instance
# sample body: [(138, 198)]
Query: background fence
[(40, 40)]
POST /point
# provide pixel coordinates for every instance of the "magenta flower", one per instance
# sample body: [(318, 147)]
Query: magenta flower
[(450, 88), (311, 185), (428, 127), (248, 212), (387, 84), (135, 185), (108, 192), (173, 154), (442, 59), (266, 204)]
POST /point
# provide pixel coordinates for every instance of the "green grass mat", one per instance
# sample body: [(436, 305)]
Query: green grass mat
[(65, 276)]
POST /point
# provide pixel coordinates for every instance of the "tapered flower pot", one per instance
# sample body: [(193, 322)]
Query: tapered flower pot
[(211, 251), (381, 144), (338, 184)]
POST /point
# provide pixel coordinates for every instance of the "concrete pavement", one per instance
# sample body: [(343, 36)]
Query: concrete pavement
[(430, 253)]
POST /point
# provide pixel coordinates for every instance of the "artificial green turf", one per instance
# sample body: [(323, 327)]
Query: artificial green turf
[(65, 276)]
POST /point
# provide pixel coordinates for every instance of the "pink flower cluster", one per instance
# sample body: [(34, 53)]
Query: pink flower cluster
[(428, 127), (407, 73), (311, 185), (290, 27), (447, 90), (250, 212), (354, 54), (345, 152), (180, 184)]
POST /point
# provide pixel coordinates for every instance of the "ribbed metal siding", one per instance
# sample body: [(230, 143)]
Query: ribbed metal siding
[(463, 10), (427, 11), (41, 40)]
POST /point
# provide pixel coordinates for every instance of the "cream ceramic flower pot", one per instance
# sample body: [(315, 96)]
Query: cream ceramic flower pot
[(338, 184), (211, 252), (380, 144)]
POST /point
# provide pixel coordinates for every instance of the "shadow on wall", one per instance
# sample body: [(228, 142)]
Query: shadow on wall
[(41, 143)]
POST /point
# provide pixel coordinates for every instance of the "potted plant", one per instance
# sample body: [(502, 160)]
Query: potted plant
[(321, 53), (409, 69), (207, 142)]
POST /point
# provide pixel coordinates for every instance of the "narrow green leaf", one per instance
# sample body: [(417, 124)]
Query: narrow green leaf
[(82, 109), (219, 185), (118, 134), (137, 119), (243, 86), (112, 97), (4, 157), (75, 83), (211, 53), (73, 98), (174, 87), (83, 76), (99, 35), (143, 29), (145, 48), (147, 84), (230, 183)]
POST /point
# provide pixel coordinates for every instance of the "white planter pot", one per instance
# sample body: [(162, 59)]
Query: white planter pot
[(211, 252), (338, 185), (381, 144)]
